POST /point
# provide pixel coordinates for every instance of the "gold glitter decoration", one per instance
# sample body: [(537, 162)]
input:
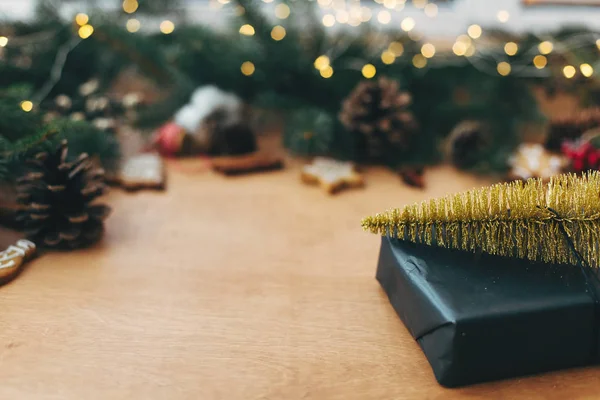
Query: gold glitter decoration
[(516, 219)]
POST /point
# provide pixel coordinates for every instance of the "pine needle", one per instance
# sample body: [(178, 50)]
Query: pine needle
[(527, 220)]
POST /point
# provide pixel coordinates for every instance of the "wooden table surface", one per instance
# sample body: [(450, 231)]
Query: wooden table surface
[(253, 287)]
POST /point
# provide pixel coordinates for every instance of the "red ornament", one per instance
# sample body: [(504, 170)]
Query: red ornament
[(169, 139), (583, 155)]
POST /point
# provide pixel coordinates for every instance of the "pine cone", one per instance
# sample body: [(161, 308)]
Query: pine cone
[(571, 127), (56, 197), (377, 111), (465, 144)]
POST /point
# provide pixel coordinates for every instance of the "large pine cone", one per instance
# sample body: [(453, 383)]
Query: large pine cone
[(571, 127), (378, 112), (56, 196)]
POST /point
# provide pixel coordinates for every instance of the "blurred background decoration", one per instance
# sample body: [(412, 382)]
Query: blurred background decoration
[(399, 83)]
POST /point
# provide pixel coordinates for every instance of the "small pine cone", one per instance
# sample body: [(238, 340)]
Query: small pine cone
[(56, 196), (378, 113), (571, 127), (464, 145)]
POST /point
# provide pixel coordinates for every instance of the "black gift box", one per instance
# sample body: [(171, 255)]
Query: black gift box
[(479, 317)]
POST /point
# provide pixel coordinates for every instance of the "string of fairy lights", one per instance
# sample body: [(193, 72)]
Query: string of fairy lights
[(469, 46)]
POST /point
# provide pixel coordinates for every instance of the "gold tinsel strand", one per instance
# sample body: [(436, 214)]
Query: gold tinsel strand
[(517, 219)]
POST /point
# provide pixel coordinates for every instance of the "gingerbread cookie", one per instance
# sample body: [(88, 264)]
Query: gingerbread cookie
[(331, 175), (143, 171), (13, 258), (256, 162)]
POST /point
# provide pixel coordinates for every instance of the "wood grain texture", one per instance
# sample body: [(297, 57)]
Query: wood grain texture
[(255, 287)]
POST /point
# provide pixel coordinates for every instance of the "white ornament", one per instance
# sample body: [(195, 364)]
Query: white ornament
[(204, 102), (187, 118)]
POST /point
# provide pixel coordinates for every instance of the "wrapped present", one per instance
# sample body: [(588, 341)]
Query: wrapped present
[(500, 281), (481, 317)]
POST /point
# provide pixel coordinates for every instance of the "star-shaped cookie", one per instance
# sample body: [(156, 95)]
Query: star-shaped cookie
[(331, 175)]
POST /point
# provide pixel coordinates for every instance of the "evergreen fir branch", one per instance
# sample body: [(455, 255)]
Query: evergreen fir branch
[(517, 219), (15, 150), (15, 123), (83, 137), (12, 153), (137, 50)]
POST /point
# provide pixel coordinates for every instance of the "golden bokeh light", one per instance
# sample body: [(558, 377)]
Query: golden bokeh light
[(278, 33), (503, 16), (369, 71), (130, 6), (569, 71), (428, 50), (328, 20), (133, 25), (460, 48), (586, 70), (322, 62), (475, 31), (419, 61), (546, 47), (82, 19), (511, 48), (326, 72), (86, 31), (248, 68), (26, 105), (504, 68), (247, 30), (407, 24), (282, 11), (384, 17), (388, 57), (540, 61), (397, 48), (167, 27)]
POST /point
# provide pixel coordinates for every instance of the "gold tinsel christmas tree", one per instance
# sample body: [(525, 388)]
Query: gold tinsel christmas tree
[(557, 222)]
